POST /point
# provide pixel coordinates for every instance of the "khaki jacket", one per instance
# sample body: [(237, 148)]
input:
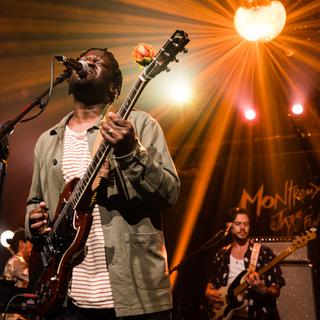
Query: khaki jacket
[(145, 183)]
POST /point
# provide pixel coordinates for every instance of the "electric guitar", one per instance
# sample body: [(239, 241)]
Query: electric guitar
[(234, 293), (63, 248)]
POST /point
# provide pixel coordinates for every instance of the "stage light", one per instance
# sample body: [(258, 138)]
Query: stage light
[(5, 235), (297, 109), (260, 20), (250, 114), (180, 92)]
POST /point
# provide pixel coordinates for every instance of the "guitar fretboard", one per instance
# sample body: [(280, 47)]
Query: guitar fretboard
[(244, 285), (175, 44), (103, 150)]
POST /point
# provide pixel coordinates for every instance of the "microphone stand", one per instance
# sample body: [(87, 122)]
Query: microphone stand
[(4, 153), (212, 242), (7, 127)]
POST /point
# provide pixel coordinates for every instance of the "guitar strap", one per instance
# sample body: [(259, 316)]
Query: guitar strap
[(254, 257), (104, 170)]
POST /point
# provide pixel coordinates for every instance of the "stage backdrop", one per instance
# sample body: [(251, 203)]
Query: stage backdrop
[(280, 189)]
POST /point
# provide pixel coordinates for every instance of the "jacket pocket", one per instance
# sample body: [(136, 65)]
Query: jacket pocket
[(148, 260)]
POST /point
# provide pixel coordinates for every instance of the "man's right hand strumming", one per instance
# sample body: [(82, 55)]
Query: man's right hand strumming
[(38, 220)]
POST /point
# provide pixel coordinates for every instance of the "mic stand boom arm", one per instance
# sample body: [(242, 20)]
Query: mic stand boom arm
[(212, 242), (7, 127)]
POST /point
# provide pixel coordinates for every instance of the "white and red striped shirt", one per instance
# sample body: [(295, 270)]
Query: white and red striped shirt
[(90, 284)]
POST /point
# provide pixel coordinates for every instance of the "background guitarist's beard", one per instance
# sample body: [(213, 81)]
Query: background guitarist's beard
[(241, 241)]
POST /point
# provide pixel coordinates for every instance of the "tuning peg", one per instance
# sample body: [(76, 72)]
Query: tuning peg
[(167, 69), (176, 60), (185, 50)]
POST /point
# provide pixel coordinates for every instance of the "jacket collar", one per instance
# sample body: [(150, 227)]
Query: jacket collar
[(60, 127)]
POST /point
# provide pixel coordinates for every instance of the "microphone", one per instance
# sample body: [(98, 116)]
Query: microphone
[(229, 225), (80, 66)]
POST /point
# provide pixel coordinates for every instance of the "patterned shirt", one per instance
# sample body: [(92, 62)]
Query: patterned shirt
[(16, 269), (220, 273)]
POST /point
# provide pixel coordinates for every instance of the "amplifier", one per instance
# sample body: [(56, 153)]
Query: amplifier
[(297, 299), (280, 244)]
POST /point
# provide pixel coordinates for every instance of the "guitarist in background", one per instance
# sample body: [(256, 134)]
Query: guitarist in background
[(230, 261), (16, 268), (124, 274)]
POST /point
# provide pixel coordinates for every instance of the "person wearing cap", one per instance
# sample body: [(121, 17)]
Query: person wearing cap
[(16, 268)]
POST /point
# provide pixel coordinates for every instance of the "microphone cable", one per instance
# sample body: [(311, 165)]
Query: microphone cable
[(22, 295), (43, 104)]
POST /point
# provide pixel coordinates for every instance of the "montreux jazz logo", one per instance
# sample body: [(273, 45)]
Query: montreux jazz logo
[(292, 210)]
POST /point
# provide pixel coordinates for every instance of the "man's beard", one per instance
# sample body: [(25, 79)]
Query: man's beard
[(241, 240), (88, 91)]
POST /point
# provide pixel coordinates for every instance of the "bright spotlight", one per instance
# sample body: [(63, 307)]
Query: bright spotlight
[(180, 92), (297, 109), (250, 114), (260, 20), (5, 235)]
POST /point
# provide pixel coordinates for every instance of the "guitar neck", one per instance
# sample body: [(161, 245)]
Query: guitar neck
[(244, 285), (276, 260), (104, 148), (175, 44)]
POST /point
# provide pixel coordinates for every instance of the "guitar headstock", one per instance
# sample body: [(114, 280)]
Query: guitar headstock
[(302, 240), (175, 44)]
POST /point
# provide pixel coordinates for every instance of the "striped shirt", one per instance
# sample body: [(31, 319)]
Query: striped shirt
[(90, 284)]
